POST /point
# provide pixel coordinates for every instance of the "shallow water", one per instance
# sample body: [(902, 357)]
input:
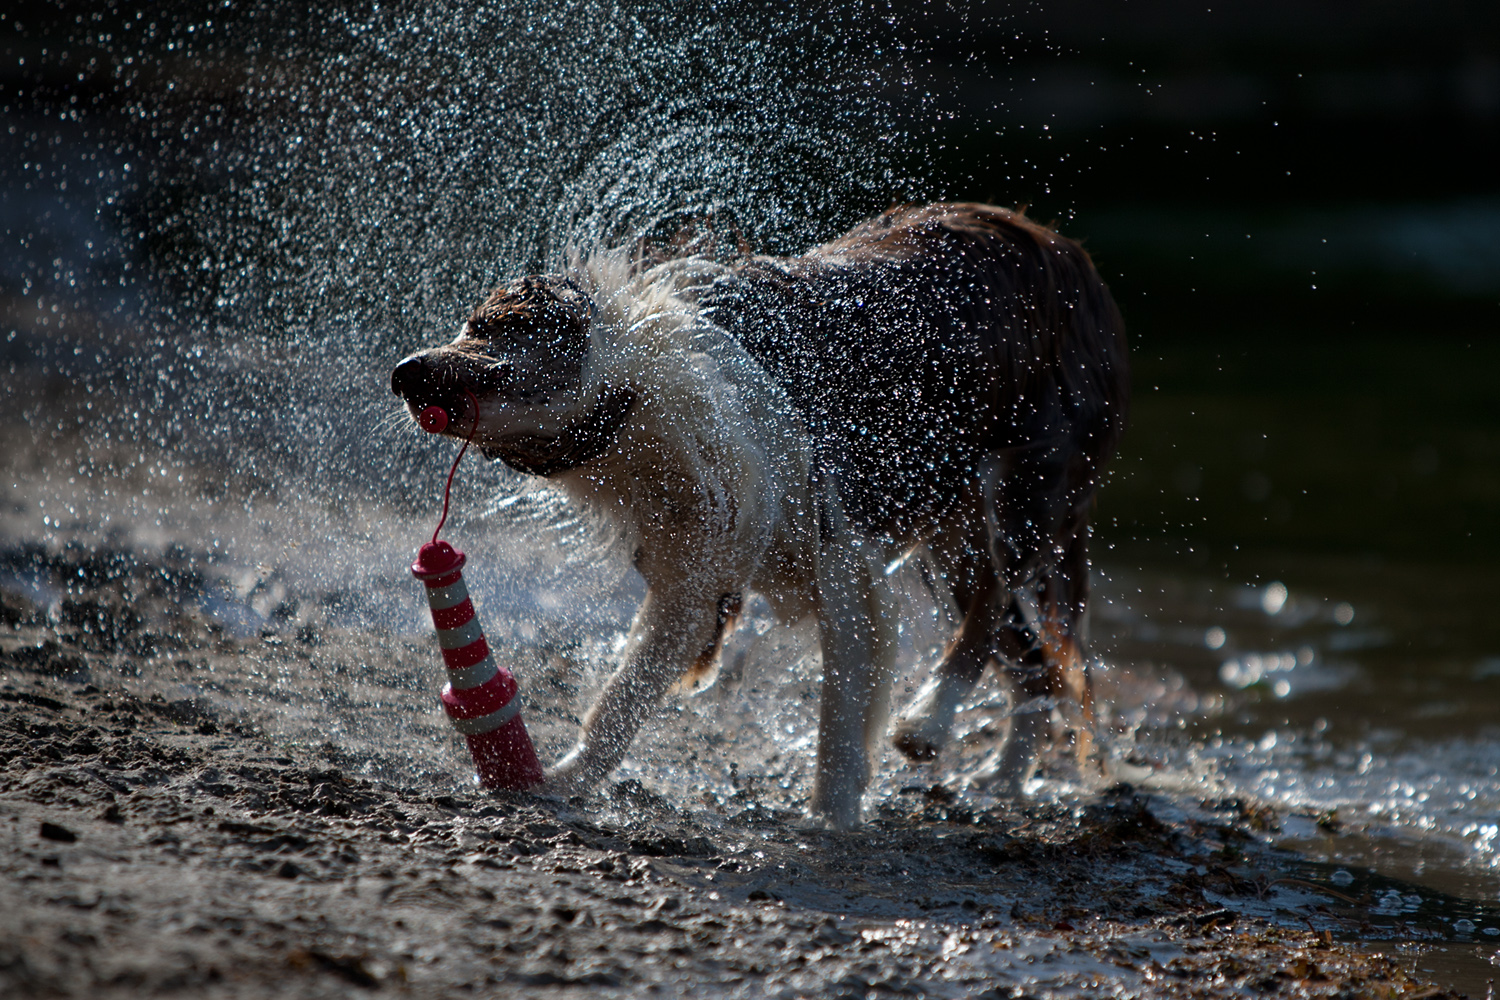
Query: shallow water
[(1328, 704), (1325, 586), (1356, 705)]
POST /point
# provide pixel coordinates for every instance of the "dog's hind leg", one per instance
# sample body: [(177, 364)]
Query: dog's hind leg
[(1064, 599), (964, 553), (1046, 668), (1039, 527), (925, 725)]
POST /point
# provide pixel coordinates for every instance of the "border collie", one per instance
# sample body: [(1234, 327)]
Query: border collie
[(949, 378)]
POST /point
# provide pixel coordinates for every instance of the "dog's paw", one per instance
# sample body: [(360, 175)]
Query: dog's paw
[(842, 820), (994, 778), (923, 729), (1008, 770), (569, 776), (918, 739), (836, 809)]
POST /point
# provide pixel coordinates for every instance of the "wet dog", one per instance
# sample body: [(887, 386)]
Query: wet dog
[(947, 379)]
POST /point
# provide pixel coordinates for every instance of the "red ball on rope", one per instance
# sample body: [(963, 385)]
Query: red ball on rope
[(433, 420)]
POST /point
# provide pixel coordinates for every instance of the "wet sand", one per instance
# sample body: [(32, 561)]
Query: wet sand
[(191, 811)]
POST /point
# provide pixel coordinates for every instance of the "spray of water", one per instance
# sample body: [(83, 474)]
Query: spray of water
[(320, 193), (294, 199)]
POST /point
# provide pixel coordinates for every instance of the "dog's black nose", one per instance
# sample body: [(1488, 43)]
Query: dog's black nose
[(423, 380), (411, 378)]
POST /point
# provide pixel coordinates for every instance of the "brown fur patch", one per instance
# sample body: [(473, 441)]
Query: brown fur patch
[(705, 667), (1067, 677), (533, 316)]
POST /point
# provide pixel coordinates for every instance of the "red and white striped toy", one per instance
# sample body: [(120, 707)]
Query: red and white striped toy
[(481, 697)]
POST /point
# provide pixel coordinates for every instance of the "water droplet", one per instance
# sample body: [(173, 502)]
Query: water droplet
[(1273, 598), (1342, 877)]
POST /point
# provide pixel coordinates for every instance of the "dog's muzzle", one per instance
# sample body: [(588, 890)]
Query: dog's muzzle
[(423, 382)]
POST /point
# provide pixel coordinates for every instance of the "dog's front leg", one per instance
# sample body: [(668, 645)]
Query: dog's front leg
[(672, 628), (859, 646)]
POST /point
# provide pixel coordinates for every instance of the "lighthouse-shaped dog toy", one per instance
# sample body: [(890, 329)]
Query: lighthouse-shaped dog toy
[(481, 697)]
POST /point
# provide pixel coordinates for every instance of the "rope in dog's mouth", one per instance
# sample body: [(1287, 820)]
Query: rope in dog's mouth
[(448, 486)]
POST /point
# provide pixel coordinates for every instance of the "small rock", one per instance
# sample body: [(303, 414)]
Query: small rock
[(61, 834), (65, 665)]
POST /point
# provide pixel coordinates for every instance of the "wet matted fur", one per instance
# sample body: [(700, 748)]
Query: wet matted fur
[(948, 378)]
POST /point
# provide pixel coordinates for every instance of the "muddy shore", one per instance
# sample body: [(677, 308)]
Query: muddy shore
[(161, 845)]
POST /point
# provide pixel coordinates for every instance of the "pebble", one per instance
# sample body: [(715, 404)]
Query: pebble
[(61, 834)]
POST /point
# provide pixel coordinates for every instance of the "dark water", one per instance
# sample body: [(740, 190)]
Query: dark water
[(1305, 522), (220, 232)]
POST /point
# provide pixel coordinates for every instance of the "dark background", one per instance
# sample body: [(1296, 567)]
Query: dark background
[(1297, 204)]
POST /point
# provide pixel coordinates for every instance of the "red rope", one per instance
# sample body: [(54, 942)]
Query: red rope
[(448, 487)]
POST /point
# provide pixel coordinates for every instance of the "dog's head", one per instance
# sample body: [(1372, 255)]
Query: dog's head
[(515, 375)]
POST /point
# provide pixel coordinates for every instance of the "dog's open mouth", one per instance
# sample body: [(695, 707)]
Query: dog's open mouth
[(431, 379)]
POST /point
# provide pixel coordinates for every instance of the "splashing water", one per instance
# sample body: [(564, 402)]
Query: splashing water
[(321, 193), (289, 201)]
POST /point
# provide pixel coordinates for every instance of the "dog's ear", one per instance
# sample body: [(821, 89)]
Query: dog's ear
[(571, 297), (538, 316)]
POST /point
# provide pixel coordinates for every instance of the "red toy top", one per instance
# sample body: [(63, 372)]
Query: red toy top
[(433, 420), (437, 559)]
